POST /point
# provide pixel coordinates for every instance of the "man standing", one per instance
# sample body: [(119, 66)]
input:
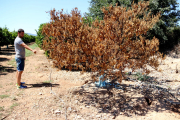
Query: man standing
[(20, 57)]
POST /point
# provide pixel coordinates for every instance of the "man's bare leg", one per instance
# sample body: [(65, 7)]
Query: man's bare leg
[(16, 74), (18, 77)]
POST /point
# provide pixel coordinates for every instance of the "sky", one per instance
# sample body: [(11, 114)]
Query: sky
[(29, 14)]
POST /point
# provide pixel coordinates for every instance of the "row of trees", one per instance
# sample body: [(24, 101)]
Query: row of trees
[(7, 37), (166, 29)]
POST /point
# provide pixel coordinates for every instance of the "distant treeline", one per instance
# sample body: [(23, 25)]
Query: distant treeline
[(7, 37)]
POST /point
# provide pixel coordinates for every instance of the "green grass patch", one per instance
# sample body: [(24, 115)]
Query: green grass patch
[(8, 90), (1, 108), (11, 83), (14, 105), (142, 77), (28, 52), (12, 62), (20, 92), (48, 81), (1, 116), (4, 96)]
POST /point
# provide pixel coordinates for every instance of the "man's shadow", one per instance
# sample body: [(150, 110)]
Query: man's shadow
[(41, 85)]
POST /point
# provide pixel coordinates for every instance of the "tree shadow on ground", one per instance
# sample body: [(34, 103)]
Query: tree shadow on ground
[(42, 85), (7, 51), (4, 70), (74, 69), (3, 59), (128, 101)]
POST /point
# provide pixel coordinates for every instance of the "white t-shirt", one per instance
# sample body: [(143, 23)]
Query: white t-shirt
[(20, 50)]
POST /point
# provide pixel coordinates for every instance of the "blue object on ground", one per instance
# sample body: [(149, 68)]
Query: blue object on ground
[(101, 83), (106, 83)]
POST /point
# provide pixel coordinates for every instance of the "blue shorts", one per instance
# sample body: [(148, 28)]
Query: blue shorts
[(20, 64)]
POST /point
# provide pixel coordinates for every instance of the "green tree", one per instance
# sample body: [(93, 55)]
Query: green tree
[(95, 9), (1, 37), (88, 20), (6, 36), (40, 36), (167, 26), (14, 34)]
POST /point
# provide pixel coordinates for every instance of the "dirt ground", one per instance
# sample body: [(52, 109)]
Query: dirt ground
[(59, 94)]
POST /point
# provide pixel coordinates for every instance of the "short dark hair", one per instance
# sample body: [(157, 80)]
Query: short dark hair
[(20, 30)]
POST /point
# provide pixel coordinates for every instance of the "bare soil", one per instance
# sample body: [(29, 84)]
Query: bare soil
[(59, 94)]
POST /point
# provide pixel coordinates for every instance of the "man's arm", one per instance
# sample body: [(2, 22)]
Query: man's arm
[(27, 47)]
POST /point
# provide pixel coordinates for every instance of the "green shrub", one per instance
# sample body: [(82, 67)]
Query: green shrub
[(40, 37)]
